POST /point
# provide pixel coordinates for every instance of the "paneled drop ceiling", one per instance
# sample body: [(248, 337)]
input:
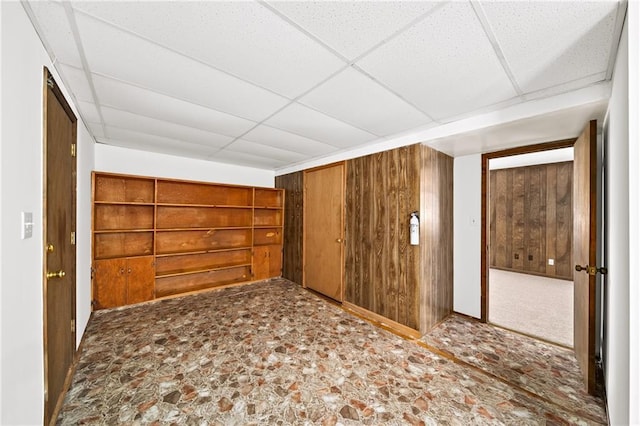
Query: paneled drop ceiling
[(274, 84)]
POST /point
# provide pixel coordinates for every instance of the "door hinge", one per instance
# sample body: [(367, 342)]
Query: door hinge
[(73, 149), (73, 326), (50, 82), (73, 238)]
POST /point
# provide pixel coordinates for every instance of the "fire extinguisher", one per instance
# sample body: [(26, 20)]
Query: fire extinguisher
[(414, 229)]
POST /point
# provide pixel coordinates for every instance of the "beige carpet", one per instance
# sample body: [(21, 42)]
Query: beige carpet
[(538, 306)]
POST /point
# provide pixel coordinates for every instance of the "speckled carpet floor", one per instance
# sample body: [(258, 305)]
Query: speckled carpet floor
[(273, 353)]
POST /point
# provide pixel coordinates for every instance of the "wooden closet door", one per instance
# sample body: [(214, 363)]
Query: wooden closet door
[(323, 269)]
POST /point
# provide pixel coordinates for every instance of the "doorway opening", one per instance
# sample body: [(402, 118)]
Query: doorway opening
[(530, 280)]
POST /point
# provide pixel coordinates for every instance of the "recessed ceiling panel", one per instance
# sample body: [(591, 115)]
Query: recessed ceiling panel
[(243, 38), (96, 130), (243, 159), (547, 43), (119, 54), (77, 81), (445, 64), (265, 151), (280, 139), (151, 126), (306, 122), (151, 104), (355, 98), (352, 27), (52, 20), (89, 112), (118, 136)]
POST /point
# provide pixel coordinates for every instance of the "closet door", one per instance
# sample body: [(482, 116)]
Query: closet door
[(323, 269)]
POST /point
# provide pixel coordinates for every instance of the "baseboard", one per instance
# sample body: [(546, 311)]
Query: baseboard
[(384, 322)]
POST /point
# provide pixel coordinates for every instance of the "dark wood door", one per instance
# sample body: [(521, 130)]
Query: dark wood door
[(584, 253), (324, 230), (60, 251)]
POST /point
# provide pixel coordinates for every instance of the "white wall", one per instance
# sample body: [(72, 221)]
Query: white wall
[(617, 143), (21, 176), (130, 161), (633, 16), (85, 164), (467, 188)]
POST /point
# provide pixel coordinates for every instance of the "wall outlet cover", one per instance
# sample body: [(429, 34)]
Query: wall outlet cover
[(552, 262)]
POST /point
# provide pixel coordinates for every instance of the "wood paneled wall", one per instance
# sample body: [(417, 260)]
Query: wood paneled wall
[(384, 274), (436, 237), (293, 210), (531, 219), (381, 268)]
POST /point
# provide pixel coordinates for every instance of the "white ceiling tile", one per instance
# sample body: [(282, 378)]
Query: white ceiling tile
[(243, 38), (265, 151), (142, 124), (52, 20), (89, 112), (352, 27), (77, 81), (549, 43), (243, 159), (118, 136), (445, 64), (96, 130), (144, 102), (280, 139), (355, 98), (306, 122), (118, 54)]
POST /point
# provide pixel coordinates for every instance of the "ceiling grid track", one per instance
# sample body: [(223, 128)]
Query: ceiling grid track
[(85, 64), (486, 26)]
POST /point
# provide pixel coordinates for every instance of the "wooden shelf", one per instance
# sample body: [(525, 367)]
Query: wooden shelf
[(210, 206), (123, 203), (197, 235), (203, 251), (205, 229), (114, 231), (197, 270)]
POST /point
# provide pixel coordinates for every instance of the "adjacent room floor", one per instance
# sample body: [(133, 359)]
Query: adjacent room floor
[(531, 304), (273, 353)]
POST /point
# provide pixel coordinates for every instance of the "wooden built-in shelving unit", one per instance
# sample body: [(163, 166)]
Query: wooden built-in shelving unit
[(157, 237)]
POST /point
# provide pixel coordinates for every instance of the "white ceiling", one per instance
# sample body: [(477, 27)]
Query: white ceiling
[(273, 84)]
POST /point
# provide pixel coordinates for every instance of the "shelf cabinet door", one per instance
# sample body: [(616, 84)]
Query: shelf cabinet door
[(267, 262), (123, 281), (140, 279), (110, 283)]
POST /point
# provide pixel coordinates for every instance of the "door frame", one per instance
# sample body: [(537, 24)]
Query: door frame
[(484, 213), (342, 218), (45, 144)]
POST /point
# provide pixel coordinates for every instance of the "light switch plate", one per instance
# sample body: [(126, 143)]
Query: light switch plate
[(27, 225)]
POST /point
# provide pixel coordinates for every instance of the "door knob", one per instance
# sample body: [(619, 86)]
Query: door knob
[(339, 240), (49, 248), (58, 274), (591, 270)]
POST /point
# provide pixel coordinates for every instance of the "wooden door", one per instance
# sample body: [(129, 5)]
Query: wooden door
[(140, 279), (584, 253), (109, 283), (324, 230), (59, 286), (267, 262)]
